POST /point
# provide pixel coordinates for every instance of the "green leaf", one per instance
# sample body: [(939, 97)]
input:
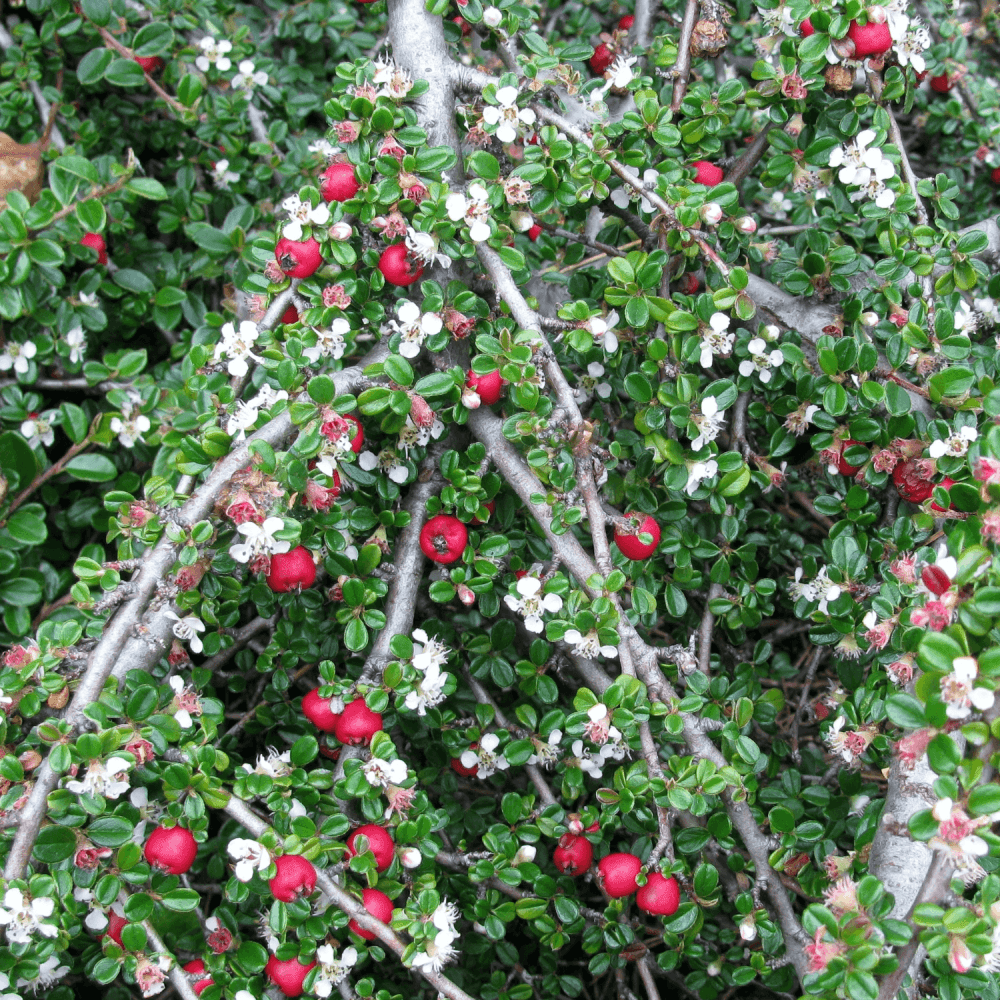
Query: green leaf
[(92, 468), (46, 252), (27, 525), (398, 369), (147, 187), (304, 750), (638, 387), (984, 799), (54, 844), (905, 711), (134, 281), (213, 240), (110, 831), (154, 39), (484, 165), (125, 73), (93, 65)]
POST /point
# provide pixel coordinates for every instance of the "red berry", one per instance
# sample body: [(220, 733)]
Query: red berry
[(443, 538), (379, 843), (289, 975), (149, 64), (359, 439), (947, 483), (617, 873), (397, 267), (936, 580), (995, 175), (626, 22), (339, 182), (843, 466), (464, 25), (290, 315), (635, 549), (295, 877), (534, 232), (574, 855), (941, 84), (660, 896), (116, 924), (298, 258), (488, 386), (707, 173), (317, 711), (806, 28), (909, 484), (96, 242), (291, 570), (379, 905), (202, 984), (871, 39), (601, 59), (691, 284), (357, 724), (171, 849), (459, 768), (491, 506)]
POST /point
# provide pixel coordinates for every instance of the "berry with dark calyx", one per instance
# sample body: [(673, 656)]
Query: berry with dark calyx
[(317, 711), (339, 182), (806, 28), (574, 855), (491, 506), (397, 267), (96, 242), (489, 386), (707, 174), (290, 315), (295, 877), (357, 724), (947, 483), (910, 484), (379, 843), (293, 570), (843, 466), (617, 873), (940, 84), (871, 39), (632, 547), (660, 896), (534, 232), (359, 438), (443, 538), (288, 975), (196, 967), (626, 22), (171, 849), (601, 59), (379, 905), (298, 258), (149, 64)]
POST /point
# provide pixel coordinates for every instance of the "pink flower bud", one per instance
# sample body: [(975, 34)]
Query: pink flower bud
[(341, 231), (746, 225), (711, 212), (410, 857), (470, 399), (466, 596)]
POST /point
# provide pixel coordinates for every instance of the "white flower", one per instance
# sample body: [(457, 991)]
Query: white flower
[(856, 159), (50, 972), (589, 383), (103, 778), (274, 765), (388, 461), (698, 471), (38, 429), (259, 540), (959, 693), (547, 753), (302, 213), (187, 629), (76, 341), (588, 645), (413, 327), (424, 247), (324, 146), (779, 205), (266, 398), (186, 700), (759, 361), (802, 589), (130, 425), (330, 343), (139, 797), (427, 691), (603, 331), (486, 759), (826, 589), (214, 52), (241, 420), (910, 48), (222, 175), (247, 79), (395, 82), (956, 445), (506, 115), (623, 195), (250, 857), (531, 604), (17, 356), (332, 970), (427, 651), (23, 918), (621, 73), (473, 208), (492, 18), (587, 762), (709, 423), (96, 919), (437, 953), (381, 773), (237, 345), (446, 916), (716, 340), (988, 307), (412, 436)]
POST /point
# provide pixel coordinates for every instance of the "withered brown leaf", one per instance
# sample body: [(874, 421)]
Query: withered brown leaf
[(21, 166)]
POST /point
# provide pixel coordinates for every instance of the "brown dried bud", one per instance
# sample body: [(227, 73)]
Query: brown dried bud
[(709, 37), (58, 699), (839, 79)]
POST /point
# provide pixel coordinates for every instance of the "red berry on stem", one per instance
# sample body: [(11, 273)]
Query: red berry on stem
[(317, 711), (116, 924), (707, 173), (290, 315), (397, 267), (443, 538), (617, 873), (940, 84), (379, 905), (574, 855), (626, 22), (806, 28), (291, 570), (871, 39), (491, 506), (489, 386), (339, 182), (464, 25), (357, 724), (534, 232), (947, 483), (359, 438), (289, 975), (379, 843), (601, 59), (96, 242), (910, 484), (196, 967), (660, 896), (995, 175), (171, 849), (298, 258), (149, 64), (843, 466), (632, 547), (295, 877)]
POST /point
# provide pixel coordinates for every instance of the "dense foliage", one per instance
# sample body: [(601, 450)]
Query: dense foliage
[(499, 501)]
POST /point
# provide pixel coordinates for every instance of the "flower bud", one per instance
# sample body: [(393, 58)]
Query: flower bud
[(410, 857), (869, 318), (711, 212), (746, 224), (521, 221), (770, 333), (470, 399), (492, 17), (748, 927), (341, 231), (526, 853), (467, 597)]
